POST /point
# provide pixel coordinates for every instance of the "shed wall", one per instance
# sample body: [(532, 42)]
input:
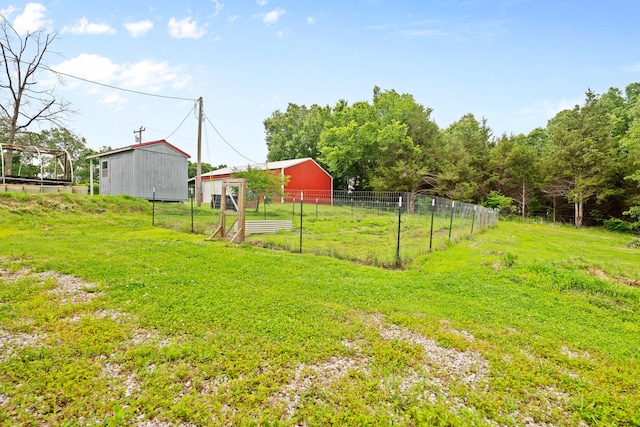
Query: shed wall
[(119, 174), (161, 167), (307, 176)]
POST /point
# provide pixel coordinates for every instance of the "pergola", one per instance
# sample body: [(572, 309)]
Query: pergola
[(62, 171)]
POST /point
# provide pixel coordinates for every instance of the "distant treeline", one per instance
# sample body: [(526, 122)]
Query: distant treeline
[(582, 165)]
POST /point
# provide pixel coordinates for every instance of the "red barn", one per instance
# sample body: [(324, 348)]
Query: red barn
[(305, 175)]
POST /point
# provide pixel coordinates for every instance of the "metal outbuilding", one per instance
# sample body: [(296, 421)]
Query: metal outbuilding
[(150, 170), (303, 174)]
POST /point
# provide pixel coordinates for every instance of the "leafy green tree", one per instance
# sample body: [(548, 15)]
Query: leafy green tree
[(515, 169), (295, 133), (75, 145), (465, 174), (630, 146), (192, 168), (581, 154), (496, 200), (262, 183)]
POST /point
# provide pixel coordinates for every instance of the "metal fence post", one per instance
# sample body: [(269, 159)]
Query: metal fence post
[(191, 194), (399, 222), (301, 200), (153, 207), (453, 209), (433, 210), (473, 221)]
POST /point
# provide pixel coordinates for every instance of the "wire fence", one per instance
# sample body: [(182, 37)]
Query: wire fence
[(387, 229), (380, 228)]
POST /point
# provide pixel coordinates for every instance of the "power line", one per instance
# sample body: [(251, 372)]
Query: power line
[(182, 122), (60, 73), (225, 141)]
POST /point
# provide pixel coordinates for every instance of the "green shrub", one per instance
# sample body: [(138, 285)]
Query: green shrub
[(498, 201), (618, 225)]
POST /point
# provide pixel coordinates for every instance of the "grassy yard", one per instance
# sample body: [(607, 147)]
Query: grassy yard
[(361, 234), (107, 320)]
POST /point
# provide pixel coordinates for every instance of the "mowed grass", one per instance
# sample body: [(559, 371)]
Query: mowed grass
[(362, 234), (107, 320)]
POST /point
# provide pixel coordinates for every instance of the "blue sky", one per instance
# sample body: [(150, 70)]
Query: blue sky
[(514, 62)]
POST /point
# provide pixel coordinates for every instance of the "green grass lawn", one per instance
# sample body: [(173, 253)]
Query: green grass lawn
[(107, 320), (361, 234)]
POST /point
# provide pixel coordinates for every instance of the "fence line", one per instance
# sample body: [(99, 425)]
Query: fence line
[(370, 224)]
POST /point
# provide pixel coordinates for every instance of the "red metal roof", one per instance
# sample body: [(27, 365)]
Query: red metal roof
[(143, 144)]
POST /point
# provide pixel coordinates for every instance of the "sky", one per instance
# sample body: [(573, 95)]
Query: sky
[(143, 64)]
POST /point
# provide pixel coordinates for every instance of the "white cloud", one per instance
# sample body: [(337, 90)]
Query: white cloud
[(545, 109), (149, 75), (219, 7), (89, 66), (272, 17), (137, 29), (145, 76), (233, 18), (30, 20), (311, 20), (7, 12), (113, 99), (262, 2), (83, 26), (185, 29)]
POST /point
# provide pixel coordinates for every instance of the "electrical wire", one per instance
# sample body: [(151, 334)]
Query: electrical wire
[(206, 143), (182, 122), (60, 73), (225, 141)]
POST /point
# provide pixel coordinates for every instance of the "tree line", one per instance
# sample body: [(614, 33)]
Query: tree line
[(583, 164)]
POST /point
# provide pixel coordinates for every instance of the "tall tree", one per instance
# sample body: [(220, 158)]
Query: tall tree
[(469, 142), (580, 153), (295, 133), (23, 100)]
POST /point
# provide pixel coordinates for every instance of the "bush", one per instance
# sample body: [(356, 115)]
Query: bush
[(498, 201), (618, 225)]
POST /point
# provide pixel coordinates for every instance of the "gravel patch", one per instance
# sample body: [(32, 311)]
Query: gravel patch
[(309, 377), (466, 366), (11, 342), (70, 289), (128, 381)]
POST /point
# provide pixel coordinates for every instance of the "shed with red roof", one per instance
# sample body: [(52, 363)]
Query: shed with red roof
[(150, 170)]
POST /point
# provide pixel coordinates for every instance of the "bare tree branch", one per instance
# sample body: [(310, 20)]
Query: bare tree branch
[(22, 101)]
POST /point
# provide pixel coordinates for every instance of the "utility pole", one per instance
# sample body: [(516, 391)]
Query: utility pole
[(139, 132), (199, 164)]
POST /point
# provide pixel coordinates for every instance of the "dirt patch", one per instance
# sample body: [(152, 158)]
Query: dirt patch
[(600, 274), (575, 354)]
